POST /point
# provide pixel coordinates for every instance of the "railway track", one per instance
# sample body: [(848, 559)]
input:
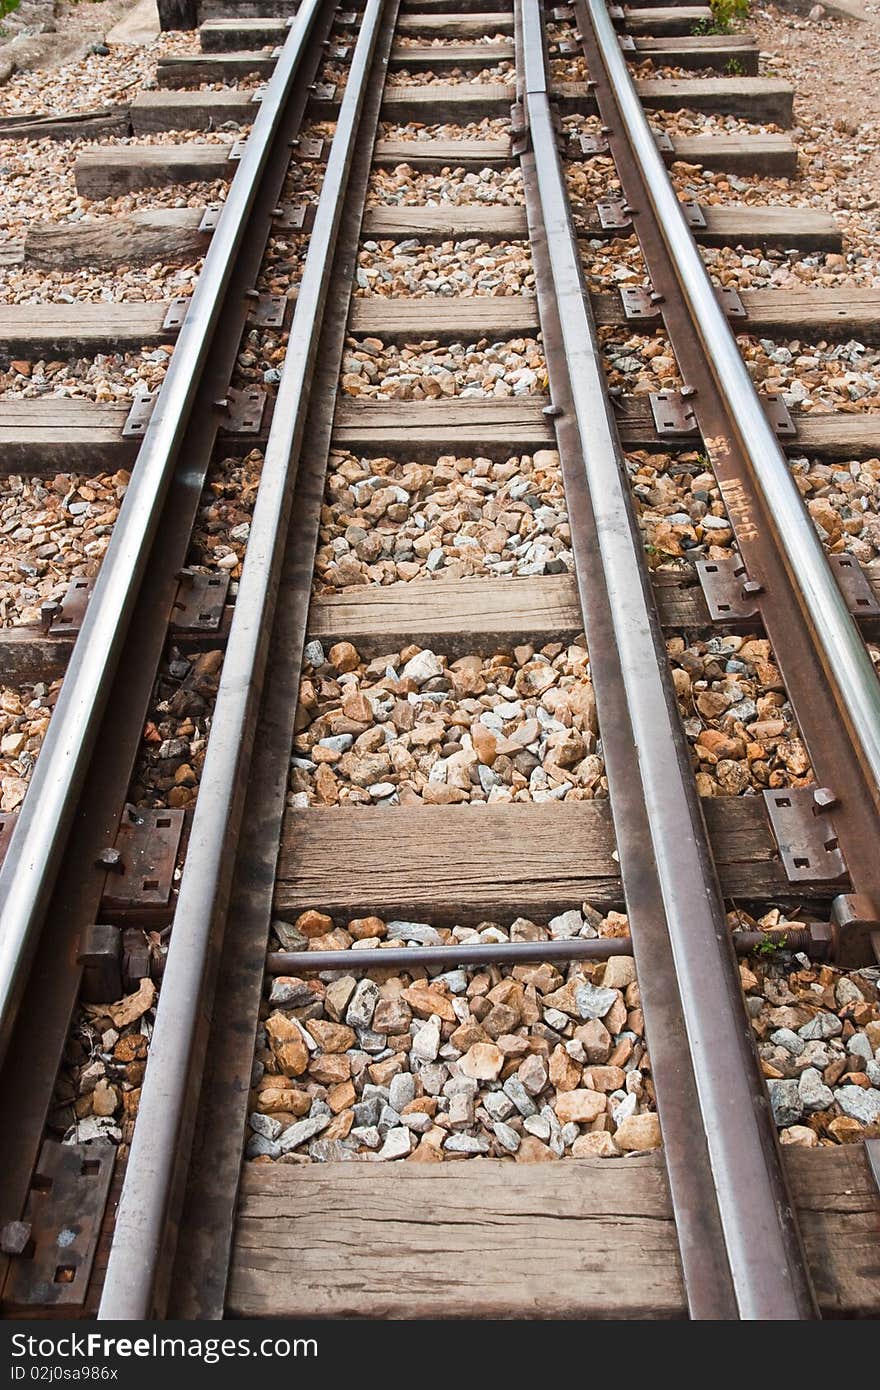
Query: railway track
[(353, 963)]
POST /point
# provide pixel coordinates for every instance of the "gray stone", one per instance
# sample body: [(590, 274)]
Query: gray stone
[(388, 1119), (507, 1137), (398, 1143), (859, 1046), (569, 1133), (419, 932), (517, 1092), (332, 1151), (859, 1104), (872, 1071), (813, 1091), (423, 667), (265, 1125), (461, 1086), (785, 1102), (461, 1109), (359, 1013), (258, 1146), (785, 1037), (433, 1077), (366, 1112), (298, 1133), (824, 1025), (566, 925), (417, 1121), (498, 1105), (401, 1090), (313, 653), (466, 1144), (337, 743), (290, 938), (426, 1042), (592, 1002), (289, 992), (555, 1018), (456, 980), (368, 1135), (538, 1125), (371, 1042), (846, 992)]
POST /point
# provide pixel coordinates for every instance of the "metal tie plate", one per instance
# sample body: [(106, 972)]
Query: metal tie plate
[(346, 20), (777, 413), (855, 585), (139, 416), (722, 583), (309, 148), (673, 413), (147, 844), (65, 1209), (211, 217), (638, 304), (694, 214), (200, 601), (324, 91), (664, 142), (176, 312), (237, 150), (612, 216), (244, 410), (7, 825), (805, 834), (268, 311), (627, 43), (68, 617), (731, 303), (294, 217), (593, 144)]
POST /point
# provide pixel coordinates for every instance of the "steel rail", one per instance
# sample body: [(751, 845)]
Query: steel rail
[(496, 953), (33, 858), (206, 1234), (740, 1247), (845, 659), (141, 1236)]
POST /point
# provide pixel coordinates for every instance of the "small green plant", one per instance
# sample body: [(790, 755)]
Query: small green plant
[(771, 945), (7, 7), (724, 12), (733, 67)]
